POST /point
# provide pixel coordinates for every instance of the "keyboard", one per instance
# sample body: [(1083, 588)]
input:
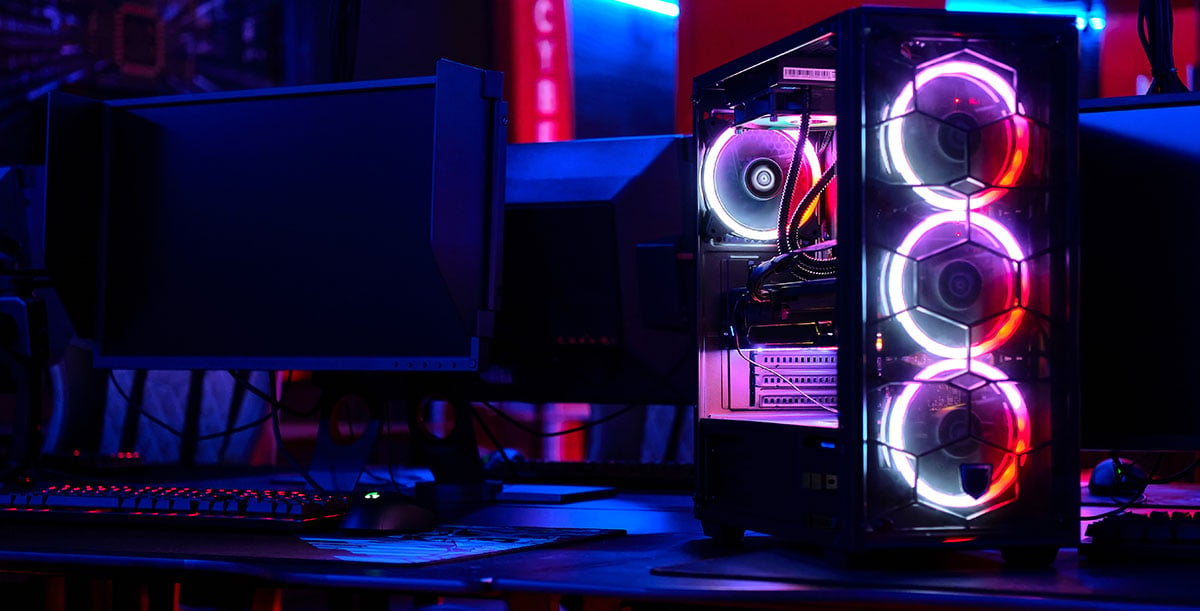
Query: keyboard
[(1170, 535), (175, 506)]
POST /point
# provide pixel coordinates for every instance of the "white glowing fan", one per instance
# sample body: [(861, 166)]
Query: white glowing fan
[(742, 178), (958, 415), (956, 284), (956, 133)]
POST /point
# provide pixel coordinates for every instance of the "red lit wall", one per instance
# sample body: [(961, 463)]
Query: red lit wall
[(713, 32)]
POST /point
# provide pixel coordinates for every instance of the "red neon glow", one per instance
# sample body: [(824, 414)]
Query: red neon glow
[(541, 100), (999, 91), (1018, 152), (984, 231), (1016, 425), (129, 12)]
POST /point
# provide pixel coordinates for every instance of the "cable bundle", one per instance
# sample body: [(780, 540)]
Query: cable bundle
[(1156, 30)]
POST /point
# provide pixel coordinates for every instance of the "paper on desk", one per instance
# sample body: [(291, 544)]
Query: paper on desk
[(446, 543)]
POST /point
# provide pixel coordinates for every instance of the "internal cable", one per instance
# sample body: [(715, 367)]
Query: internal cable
[(508, 461), (583, 427), (757, 279), (737, 345), (791, 236), (793, 173), (802, 266)]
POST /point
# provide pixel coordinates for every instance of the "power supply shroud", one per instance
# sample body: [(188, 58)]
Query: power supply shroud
[(889, 361)]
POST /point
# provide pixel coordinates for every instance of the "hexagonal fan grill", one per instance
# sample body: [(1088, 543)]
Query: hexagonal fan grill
[(956, 435), (963, 267), (956, 133), (956, 284)]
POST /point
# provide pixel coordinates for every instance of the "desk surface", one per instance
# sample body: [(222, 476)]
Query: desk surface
[(663, 556)]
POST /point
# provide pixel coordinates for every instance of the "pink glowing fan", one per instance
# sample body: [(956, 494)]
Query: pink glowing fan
[(956, 284), (957, 413), (743, 174), (956, 133)]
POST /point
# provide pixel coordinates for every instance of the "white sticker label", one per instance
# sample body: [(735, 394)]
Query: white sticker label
[(792, 73)]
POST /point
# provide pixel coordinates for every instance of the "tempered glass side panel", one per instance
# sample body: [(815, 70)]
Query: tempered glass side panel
[(766, 138), (965, 210)]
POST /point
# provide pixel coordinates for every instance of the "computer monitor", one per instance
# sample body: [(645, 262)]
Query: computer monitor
[(335, 227), (598, 280), (1140, 176)]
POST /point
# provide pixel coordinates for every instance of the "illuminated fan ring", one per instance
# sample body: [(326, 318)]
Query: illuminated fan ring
[(892, 432), (999, 89), (708, 184), (896, 265)]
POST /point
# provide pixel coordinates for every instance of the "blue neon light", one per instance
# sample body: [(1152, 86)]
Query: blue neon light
[(662, 7), (1084, 17)]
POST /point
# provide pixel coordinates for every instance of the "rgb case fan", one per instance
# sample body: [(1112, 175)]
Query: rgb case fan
[(887, 336)]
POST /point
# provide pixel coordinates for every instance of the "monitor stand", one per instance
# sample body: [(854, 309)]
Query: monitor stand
[(341, 453), (24, 347), (441, 435)]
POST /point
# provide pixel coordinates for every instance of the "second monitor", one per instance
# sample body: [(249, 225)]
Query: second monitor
[(597, 278)]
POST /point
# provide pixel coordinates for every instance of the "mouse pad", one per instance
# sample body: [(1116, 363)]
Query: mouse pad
[(965, 572), (447, 543)]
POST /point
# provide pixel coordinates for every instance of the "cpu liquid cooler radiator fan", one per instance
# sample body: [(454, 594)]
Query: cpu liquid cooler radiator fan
[(886, 285)]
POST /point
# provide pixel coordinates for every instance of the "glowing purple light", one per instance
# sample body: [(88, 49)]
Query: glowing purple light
[(708, 184), (1018, 425), (895, 267), (996, 87), (815, 121)]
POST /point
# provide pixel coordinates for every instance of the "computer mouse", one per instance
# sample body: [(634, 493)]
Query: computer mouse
[(387, 512), (1121, 480)]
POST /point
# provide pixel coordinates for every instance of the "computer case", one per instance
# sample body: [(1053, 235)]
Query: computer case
[(887, 362)]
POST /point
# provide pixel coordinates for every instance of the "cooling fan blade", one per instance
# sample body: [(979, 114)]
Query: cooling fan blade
[(956, 133), (957, 270), (743, 176), (956, 435)]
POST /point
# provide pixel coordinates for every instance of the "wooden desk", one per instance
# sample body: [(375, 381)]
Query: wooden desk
[(662, 561)]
